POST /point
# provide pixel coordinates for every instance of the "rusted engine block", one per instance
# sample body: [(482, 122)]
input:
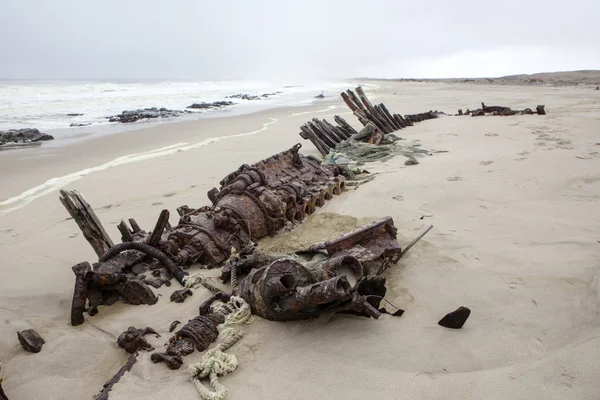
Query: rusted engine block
[(253, 202), (282, 288)]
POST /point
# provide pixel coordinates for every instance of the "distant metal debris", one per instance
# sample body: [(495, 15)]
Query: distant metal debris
[(502, 110)]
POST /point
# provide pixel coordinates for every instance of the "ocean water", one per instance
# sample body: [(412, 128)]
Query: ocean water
[(45, 105)]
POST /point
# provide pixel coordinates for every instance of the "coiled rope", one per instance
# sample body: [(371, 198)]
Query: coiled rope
[(216, 362)]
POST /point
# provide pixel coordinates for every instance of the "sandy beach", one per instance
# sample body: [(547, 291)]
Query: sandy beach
[(514, 202)]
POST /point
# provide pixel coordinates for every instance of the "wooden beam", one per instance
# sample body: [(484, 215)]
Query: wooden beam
[(86, 219)]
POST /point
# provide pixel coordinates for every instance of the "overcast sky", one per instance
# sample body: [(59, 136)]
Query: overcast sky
[(300, 39)]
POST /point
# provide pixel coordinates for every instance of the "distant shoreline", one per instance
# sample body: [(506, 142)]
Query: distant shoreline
[(583, 78)]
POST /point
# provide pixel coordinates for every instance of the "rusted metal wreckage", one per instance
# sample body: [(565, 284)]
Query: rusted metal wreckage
[(377, 121), (502, 110), (253, 202), (297, 286)]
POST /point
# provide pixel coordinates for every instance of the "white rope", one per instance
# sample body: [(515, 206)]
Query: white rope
[(216, 362), (199, 279), (237, 311)]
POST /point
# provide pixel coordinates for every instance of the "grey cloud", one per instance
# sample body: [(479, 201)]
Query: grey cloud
[(270, 39)]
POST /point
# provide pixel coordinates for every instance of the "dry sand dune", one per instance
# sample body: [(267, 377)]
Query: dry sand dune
[(514, 202)]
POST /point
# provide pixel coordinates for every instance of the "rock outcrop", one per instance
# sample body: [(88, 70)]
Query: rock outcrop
[(146, 113), (211, 106), (27, 135), (246, 96)]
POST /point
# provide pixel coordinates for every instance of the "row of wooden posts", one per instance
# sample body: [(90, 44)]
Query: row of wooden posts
[(324, 135), (378, 121)]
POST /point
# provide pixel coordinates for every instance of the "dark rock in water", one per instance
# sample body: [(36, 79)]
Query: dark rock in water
[(146, 113), (245, 96), (179, 296), (456, 319), (213, 105), (26, 135), (74, 115), (31, 340), (133, 340), (321, 96), (74, 124)]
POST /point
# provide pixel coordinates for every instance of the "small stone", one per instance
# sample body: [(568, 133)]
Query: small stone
[(456, 319), (31, 340), (411, 161)]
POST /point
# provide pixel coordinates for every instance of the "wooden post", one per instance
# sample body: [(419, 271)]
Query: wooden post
[(342, 122), (158, 230), (86, 219), (365, 132), (372, 112), (398, 119), (385, 117), (331, 141), (331, 130), (125, 232), (322, 146), (390, 117), (356, 100)]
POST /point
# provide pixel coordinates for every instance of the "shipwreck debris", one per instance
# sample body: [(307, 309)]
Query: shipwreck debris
[(107, 387), (30, 340), (173, 325), (377, 120), (287, 290), (132, 340), (502, 110), (180, 295), (253, 202), (456, 319)]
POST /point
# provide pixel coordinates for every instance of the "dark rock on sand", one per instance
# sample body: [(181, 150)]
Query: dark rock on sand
[(146, 113), (456, 319), (213, 105), (477, 113), (74, 124), (27, 135), (31, 340), (74, 115)]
